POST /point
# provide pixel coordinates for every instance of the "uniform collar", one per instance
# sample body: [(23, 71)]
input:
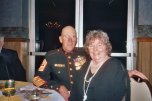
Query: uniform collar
[(67, 52)]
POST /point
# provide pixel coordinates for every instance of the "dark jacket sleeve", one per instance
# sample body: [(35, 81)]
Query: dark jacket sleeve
[(13, 64), (3, 69), (20, 73)]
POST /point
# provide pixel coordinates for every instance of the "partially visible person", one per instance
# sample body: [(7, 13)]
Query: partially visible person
[(60, 65), (103, 78), (4, 75), (10, 64)]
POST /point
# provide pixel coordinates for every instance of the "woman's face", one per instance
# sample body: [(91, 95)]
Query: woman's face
[(97, 50)]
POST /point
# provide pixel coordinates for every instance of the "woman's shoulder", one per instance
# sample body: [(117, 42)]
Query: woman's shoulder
[(114, 60), (115, 63)]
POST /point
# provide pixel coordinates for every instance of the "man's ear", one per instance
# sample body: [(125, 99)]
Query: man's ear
[(60, 39)]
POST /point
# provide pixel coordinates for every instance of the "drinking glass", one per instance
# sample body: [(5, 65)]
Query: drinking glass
[(9, 89)]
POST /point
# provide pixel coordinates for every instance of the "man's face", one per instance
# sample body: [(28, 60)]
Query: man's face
[(1, 42), (68, 38)]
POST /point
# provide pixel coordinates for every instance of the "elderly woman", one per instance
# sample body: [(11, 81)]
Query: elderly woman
[(103, 78)]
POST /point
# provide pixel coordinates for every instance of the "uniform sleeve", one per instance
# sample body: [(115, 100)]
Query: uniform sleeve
[(43, 77)]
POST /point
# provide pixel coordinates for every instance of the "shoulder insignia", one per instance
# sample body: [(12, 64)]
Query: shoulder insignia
[(59, 65), (38, 81), (43, 65)]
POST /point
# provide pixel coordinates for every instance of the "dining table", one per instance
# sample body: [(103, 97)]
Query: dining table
[(24, 92)]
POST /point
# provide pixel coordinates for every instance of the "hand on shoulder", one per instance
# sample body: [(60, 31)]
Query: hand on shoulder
[(137, 73)]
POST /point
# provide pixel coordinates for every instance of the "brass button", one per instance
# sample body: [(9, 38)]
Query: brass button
[(57, 88), (72, 82), (69, 57), (70, 63)]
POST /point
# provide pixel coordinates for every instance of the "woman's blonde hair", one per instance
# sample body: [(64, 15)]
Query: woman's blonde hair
[(98, 34)]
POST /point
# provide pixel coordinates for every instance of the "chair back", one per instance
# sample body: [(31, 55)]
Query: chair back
[(141, 90)]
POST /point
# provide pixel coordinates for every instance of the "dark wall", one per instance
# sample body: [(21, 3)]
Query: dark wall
[(14, 18)]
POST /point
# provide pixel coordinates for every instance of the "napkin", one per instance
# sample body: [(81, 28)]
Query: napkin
[(29, 87)]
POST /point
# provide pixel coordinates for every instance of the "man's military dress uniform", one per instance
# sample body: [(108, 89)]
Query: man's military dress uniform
[(59, 68)]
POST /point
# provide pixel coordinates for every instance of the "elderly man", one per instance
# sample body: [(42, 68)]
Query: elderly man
[(59, 66), (10, 66)]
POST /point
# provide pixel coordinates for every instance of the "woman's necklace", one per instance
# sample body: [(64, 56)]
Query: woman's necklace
[(85, 89)]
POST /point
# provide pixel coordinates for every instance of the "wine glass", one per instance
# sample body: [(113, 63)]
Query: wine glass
[(9, 89)]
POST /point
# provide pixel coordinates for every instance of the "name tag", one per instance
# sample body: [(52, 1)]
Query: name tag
[(59, 65)]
